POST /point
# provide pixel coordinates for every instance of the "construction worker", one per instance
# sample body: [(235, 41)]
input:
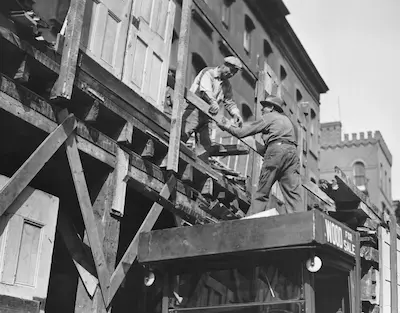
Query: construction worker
[(281, 161), (213, 86)]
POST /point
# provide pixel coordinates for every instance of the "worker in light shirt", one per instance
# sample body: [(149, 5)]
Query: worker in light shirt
[(213, 86), (281, 161)]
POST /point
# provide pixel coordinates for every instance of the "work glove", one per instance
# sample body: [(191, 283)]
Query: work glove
[(238, 120), (214, 108)]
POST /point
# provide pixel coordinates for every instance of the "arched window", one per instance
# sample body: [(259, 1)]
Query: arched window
[(246, 112), (267, 49), (226, 13), (299, 96), (248, 29), (282, 73), (359, 174), (197, 65)]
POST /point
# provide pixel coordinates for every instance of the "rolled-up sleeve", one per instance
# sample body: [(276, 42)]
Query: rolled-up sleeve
[(206, 86), (229, 103)]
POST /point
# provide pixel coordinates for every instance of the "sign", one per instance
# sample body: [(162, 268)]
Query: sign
[(339, 237)]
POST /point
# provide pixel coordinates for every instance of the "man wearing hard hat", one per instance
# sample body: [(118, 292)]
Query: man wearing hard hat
[(281, 160), (213, 86)]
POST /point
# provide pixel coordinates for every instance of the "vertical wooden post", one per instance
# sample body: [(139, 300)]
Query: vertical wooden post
[(255, 159), (108, 227), (357, 277), (393, 264), (65, 81), (178, 99)]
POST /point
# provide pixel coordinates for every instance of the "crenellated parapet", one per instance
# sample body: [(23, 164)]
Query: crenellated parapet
[(332, 138)]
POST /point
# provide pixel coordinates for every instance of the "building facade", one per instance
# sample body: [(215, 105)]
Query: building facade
[(269, 43), (364, 157)]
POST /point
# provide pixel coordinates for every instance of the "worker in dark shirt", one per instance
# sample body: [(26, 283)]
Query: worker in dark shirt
[(281, 161)]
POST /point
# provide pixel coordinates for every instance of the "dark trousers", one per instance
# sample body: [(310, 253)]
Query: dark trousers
[(282, 164), (195, 121)]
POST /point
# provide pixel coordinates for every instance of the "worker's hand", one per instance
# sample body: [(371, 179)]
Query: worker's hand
[(238, 120), (214, 108), (223, 124)]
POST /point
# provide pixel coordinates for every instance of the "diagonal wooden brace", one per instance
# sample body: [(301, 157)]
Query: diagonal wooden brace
[(78, 253), (131, 253), (35, 162), (85, 204)]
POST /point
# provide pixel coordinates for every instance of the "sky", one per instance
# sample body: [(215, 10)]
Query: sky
[(355, 45)]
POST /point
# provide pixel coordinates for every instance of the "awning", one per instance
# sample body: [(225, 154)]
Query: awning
[(241, 237)]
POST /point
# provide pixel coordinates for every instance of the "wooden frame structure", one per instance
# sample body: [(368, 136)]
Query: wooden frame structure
[(88, 111)]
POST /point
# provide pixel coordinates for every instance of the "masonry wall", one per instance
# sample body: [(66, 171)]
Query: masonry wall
[(365, 148)]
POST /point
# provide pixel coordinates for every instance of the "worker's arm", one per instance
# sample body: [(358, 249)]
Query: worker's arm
[(206, 89), (229, 103), (248, 129)]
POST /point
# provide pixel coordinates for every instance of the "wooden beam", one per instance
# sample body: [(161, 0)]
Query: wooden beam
[(10, 304), (65, 81), (120, 98), (148, 151), (179, 100), (23, 73), (23, 176), (130, 254), (370, 209), (227, 150), (126, 134), (23, 104), (108, 228), (255, 144), (244, 235), (255, 159), (317, 192), (119, 186), (76, 248), (394, 287), (85, 204)]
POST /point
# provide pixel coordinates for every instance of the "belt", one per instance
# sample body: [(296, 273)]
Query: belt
[(280, 142)]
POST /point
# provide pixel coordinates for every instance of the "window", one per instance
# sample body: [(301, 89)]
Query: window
[(246, 112), (267, 53), (313, 115), (226, 13), (282, 73), (390, 188), (359, 174), (299, 96), (248, 29), (380, 176), (197, 65), (386, 183), (267, 49)]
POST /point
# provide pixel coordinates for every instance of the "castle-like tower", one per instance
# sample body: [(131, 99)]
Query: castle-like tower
[(365, 157)]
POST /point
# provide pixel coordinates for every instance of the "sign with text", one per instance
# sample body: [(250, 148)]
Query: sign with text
[(337, 236)]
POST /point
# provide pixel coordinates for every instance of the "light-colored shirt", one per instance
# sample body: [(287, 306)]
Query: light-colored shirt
[(219, 90)]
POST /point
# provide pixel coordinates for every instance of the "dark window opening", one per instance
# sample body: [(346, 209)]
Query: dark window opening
[(282, 73), (359, 174), (226, 13), (197, 65), (248, 29), (299, 96), (267, 48), (246, 112)]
